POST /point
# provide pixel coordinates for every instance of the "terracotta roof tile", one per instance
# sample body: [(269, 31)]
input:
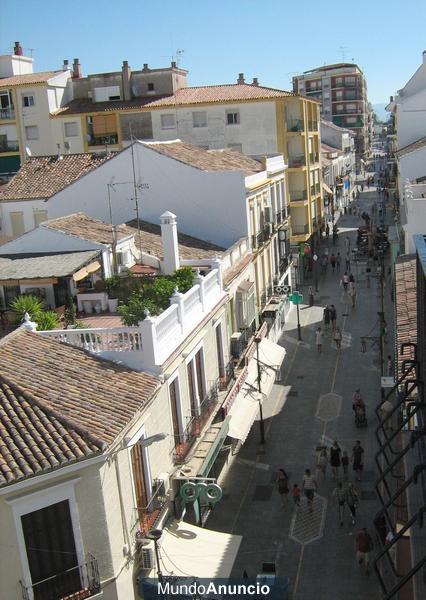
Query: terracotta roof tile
[(49, 265), (87, 228), (207, 160), (184, 96), (91, 398), (405, 305), (29, 78), (43, 176)]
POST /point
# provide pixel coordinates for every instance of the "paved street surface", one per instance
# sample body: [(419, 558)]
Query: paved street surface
[(311, 407)]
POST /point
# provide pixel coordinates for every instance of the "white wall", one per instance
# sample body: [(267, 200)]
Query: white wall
[(412, 165), (416, 222), (411, 118), (256, 132), (27, 207)]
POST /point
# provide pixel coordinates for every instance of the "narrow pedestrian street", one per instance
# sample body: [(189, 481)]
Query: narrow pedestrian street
[(311, 407)]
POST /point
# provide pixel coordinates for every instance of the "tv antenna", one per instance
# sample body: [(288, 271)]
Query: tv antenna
[(342, 50), (31, 51)]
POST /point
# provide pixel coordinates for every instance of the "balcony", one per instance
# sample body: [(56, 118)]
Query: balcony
[(341, 123), (294, 125), (296, 195), (184, 441), (349, 111), (7, 113), (104, 140), (281, 216), (78, 583), (297, 161), (226, 376), (202, 413), (8, 146), (313, 125), (145, 517), (300, 229)]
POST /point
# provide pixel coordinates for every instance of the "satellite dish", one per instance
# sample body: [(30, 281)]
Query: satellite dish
[(28, 151)]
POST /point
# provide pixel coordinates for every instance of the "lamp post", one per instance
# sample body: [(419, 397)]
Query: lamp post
[(296, 298), (155, 535), (259, 388)]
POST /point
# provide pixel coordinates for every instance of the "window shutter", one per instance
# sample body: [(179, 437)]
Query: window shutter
[(104, 125)]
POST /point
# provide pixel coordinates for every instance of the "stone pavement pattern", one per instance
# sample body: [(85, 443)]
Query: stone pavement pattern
[(311, 407)]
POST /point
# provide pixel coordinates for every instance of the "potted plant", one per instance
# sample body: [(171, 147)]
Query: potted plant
[(112, 286)]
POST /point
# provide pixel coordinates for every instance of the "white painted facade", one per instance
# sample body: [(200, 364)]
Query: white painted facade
[(255, 133), (410, 107)]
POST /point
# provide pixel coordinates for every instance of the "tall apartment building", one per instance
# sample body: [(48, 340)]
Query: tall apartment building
[(26, 101), (342, 91)]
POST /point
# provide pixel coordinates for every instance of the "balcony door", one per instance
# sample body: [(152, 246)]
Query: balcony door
[(51, 551)]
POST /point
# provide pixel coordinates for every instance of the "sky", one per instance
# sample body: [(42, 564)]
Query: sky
[(272, 40)]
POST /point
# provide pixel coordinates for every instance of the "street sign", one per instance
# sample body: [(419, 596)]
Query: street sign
[(296, 298)]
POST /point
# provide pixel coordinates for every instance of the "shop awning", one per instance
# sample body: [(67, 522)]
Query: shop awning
[(187, 550), (246, 405), (85, 271), (327, 189)]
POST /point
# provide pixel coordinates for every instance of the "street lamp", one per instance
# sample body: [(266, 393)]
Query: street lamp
[(155, 535), (296, 298), (259, 377)]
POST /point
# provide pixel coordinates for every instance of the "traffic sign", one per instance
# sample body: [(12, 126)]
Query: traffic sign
[(296, 298)]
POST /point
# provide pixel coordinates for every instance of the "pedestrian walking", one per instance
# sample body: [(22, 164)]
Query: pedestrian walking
[(345, 281), (335, 460), (348, 261), (326, 317), (340, 496), (358, 459), (389, 365), (295, 492), (362, 187), (318, 339), (352, 294), (311, 296), (333, 261), (333, 316), (327, 231), (345, 464), (337, 337), (338, 262), (283, 486), (352, 500), (322, 463), (309, 487), (363, 547)]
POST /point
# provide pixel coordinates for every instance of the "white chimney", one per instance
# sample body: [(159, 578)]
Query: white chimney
[(169, 240)]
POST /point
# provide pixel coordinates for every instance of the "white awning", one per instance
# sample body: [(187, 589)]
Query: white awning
[(187, 550), (246, 405)]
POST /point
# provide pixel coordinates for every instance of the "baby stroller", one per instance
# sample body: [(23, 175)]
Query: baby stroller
[(360, 416)]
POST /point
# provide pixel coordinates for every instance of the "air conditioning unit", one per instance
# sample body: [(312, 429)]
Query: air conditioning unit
[(236, 344), (145, 554), (161, 484)]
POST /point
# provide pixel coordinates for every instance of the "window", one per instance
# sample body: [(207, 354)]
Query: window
[(339, 81), (350, 80), (104, 94), (39, 217), (168, 121), (28, 100), (71, 129), (174, 402), (339, 95), (339, 107), (199, 119), (232, 117), (150, 87), (351, 120), (31, 132), (199, 367), (17, 223), (51, 550)]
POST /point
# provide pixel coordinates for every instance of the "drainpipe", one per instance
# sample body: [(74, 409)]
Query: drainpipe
[(125, 529)]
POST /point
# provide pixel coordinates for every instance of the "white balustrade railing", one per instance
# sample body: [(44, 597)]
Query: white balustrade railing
[(156, 338)]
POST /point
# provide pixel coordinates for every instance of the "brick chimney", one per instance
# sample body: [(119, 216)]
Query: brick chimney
[(76, 69), (17, 49), (65, 66), (145, 67), (126, 73), (169, 241), (255, 81), (240, 78), (174, 65)]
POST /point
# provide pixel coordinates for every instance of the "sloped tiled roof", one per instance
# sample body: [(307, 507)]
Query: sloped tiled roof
[(405, 305), (49, 265), (95, 397), (207, 160), (233, 92), (28, 79), (87, 228), (189, 247), (32, 440), (43, 176), (420, 143)]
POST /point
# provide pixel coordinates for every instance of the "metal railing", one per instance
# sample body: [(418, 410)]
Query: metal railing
[(7, 113), (9, 146), (78, 583), (202, 413), (184, 441), (296, 161), (226, 376), (145, 517), (281, 216), (295, 125)]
